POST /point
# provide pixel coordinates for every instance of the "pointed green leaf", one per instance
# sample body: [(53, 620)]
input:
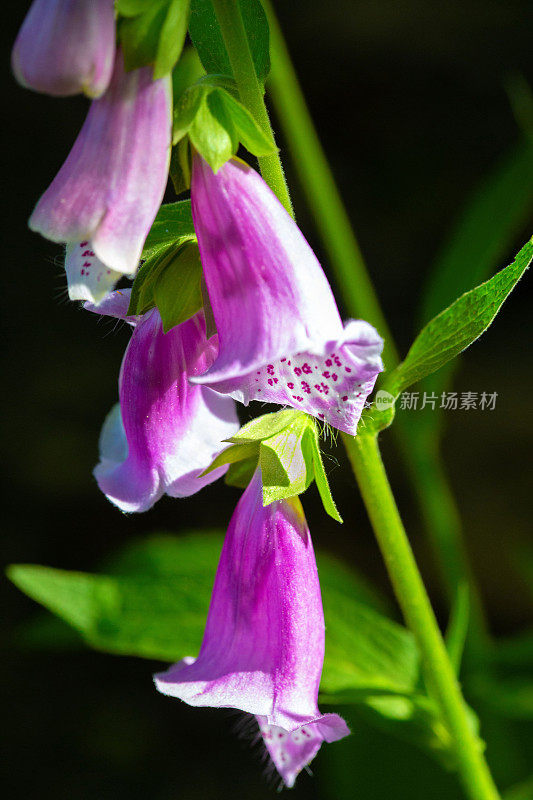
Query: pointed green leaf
[(320, 475), (186, 109), (180, 166), (233, 454), (153, 33), (142, 291), (246, 128), (215, 143), (286, 461), (177, 287), (173, 224), (265, 426), (171, 37), (455, 328), (458, 626), (241, 473), (207, 37)]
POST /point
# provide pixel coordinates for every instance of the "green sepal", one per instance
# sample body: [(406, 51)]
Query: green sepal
[(152, 33), (216, 122), (263, 427), (180, 166), (285, 444), (177, 289), (142, 291), (172, 225), (455, 328), (207, 37)]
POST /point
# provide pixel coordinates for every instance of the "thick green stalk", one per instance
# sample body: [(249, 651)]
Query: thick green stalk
[(434, 495), (368, 467), (250, 90)]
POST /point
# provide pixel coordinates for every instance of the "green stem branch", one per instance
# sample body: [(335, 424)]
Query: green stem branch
[(435, 498), (250, 90), (368, 467)]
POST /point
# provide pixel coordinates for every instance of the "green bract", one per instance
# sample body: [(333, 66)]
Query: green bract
[(152, 32), (286, 447), (216, 122)]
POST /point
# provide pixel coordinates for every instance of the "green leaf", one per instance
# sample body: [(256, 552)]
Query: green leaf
[(131, 8), (286, 461), (142, 292), (321, 477), (455, 328), (215, 141), (153, 33), (187, 72), (177, 288), (186, 109), (241, 473), (457, 630), (247, 131), (234, 454), (172, 225), (180, 166), (264, 427), (207, 37)]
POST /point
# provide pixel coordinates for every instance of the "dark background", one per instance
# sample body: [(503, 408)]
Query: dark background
[(409, 101)]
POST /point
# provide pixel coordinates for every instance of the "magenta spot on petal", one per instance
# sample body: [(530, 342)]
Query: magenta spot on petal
[(290, 385), (326, 374), (348, 369), (84, 244), (345, 398), (283, 359), (306, 368), (334, 376), (297, 371), (329, 362)]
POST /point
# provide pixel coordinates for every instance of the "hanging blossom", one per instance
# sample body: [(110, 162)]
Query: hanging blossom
[(263, 646), (165, 431), (105, 197), (65, 47), (281, 339)]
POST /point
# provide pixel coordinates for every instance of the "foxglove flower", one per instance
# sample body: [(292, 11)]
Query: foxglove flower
[(263, 646), (65, 47), (281, 339), (165, 431), (105, 197)]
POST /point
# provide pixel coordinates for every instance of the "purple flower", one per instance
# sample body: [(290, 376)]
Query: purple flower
[(280, 335), (263, 646), (165, 431), (106, 195), (65, 47)]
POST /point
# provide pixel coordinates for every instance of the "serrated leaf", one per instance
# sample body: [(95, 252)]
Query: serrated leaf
[(455, 328), (177, 287), (246, 129), (264, 426), (207, 37), (172, 225)]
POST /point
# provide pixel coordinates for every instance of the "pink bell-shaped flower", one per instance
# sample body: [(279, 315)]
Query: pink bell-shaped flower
[(105, 197), (166, 431), (263, 646), (65, 47), (281, 339)]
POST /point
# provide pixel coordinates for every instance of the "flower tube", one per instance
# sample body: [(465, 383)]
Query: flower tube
[(263, 646), (280, 335), (65, 47), (106, 195), (165, 431)]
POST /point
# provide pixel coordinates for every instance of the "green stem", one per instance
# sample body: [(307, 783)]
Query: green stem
[(321, 191), (250, 90), (368, 467), (435, 497)]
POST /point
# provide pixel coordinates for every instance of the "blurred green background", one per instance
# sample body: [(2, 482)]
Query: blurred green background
[(409, 101)]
